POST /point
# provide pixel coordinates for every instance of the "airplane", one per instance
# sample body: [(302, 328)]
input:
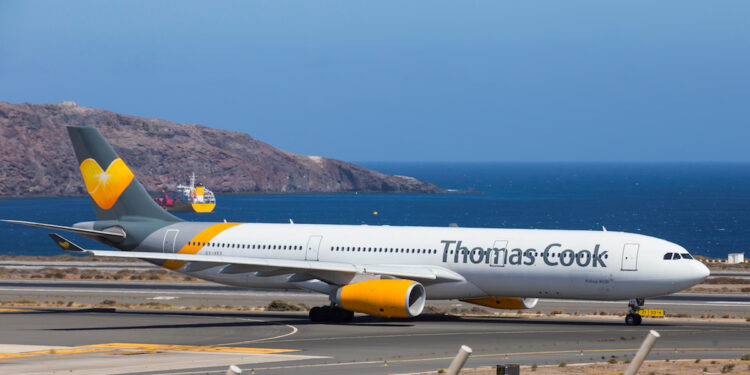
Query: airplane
[(385, 271)]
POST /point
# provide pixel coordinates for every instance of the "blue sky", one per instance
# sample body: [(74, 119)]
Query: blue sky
[(405, 81)]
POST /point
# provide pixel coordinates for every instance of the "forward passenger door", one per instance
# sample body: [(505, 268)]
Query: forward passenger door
[(630, 257)]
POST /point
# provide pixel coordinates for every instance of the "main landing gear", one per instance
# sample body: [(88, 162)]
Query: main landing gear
[(633, 318), (330, 314)]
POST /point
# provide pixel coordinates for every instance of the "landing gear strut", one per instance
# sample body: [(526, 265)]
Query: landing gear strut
[(330, 314), (633, 318)]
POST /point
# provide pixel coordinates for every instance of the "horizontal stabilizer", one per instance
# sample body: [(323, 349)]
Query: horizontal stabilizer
[(114, 237), (64, 243)]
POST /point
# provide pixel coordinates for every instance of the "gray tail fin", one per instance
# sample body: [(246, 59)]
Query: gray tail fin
[(113, 188)]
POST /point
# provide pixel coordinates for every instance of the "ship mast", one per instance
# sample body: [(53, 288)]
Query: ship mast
[(192, 180)]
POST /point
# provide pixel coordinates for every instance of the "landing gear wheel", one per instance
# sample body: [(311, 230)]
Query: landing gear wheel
[(317, 314), (347, 316), (632, 319), (634, 305), (340, 315), (330, 314)]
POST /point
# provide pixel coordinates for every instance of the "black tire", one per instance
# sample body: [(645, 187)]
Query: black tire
[(638, 319), (630, 319), (349, 316), (340, 315), (337, 314), (317, 315)]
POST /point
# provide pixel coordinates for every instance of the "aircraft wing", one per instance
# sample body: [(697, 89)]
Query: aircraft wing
[(273, 266)]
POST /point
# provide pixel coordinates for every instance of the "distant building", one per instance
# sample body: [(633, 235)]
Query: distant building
[(735, 258)]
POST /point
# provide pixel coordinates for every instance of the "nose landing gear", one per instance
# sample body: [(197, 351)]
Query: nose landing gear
[(633, 318), (330, 314)]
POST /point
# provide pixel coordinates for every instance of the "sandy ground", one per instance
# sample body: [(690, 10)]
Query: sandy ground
[(682, 367)]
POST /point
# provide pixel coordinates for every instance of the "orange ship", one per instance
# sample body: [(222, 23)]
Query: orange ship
[(190, 198)]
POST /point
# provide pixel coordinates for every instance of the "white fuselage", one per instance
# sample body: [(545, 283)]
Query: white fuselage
[(492, 262)]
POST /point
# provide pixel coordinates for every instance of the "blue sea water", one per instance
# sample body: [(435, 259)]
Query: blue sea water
[(703, 207)]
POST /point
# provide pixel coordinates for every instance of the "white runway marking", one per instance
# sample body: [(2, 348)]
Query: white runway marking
[(294, 330), (654, 302)]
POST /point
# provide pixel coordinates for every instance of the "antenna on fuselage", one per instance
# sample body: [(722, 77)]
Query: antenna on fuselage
[(604, 229)]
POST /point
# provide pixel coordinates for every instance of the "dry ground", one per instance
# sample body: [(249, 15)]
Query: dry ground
[(682, 367)]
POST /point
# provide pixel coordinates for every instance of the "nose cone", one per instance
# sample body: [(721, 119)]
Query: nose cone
[(698, 272)]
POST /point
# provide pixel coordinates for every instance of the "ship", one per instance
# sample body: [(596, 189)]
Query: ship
[(190, 198)]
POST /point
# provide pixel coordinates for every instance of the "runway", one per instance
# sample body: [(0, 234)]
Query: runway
[(280, 343), (180, 342), (211, 294)]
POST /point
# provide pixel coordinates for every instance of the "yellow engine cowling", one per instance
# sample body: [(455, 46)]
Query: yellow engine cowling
[(389, 298), (507, 303)]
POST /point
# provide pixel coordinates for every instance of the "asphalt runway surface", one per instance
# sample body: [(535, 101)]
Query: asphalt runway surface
[(186, 342), (211, 294), (367, 345)]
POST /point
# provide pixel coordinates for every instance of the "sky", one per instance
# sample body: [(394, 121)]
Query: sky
[(480, 81)]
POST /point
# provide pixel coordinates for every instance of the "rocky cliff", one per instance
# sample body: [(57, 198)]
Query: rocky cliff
[(36, 158)]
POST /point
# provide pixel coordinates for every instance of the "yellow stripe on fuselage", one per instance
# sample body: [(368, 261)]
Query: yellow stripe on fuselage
[(204, 236)]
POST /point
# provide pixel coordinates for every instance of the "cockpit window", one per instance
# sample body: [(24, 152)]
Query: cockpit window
[(669, 256)]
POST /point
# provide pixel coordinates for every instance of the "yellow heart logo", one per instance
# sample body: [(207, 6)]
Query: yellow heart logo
[(64, 244), (106, 186)]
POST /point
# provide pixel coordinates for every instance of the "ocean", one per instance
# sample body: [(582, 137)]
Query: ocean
[(703, 207)]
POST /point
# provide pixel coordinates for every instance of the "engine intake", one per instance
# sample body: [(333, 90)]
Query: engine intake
[(506, 303), (389, 298)]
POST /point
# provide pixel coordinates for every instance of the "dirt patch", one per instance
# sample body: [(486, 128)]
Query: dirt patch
[(615, 367), (281, 305), (73, 273), (68, 258), (108, 303)]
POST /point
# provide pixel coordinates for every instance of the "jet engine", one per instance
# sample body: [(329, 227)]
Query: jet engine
[(389, 298), (506, 303)]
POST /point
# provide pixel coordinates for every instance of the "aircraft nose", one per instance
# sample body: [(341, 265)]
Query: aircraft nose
[(699, 271)]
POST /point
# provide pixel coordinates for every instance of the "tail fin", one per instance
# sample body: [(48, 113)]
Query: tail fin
[(113, 188)]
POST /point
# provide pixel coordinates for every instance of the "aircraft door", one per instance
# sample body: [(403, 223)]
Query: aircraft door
[(313, 245), (630, 257), (169, 240), (497, 257)]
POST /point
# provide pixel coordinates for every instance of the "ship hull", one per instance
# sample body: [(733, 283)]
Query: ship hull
[(192, 207)]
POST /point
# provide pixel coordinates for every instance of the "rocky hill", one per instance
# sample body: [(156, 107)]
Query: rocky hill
[(36, 157)]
